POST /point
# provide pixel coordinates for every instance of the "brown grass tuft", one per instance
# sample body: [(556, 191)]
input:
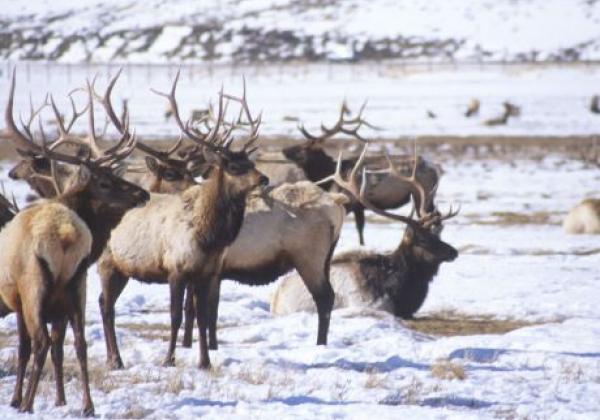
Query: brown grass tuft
[(448, 370)]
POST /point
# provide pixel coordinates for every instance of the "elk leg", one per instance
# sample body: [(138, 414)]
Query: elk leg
[(57, 338), (113, 284), (41, 343), (201, 298), (213, 313), (177, 286), (190, 314), (359, 220), (77, 319), (316, 278), (23, 358)]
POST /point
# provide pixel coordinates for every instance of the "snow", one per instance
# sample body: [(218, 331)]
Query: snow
[(374, 365)]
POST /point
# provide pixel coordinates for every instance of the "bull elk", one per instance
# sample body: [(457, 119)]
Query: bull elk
[(299, 226), (384, 191), (183, 236), (397, 281), (48, 247)]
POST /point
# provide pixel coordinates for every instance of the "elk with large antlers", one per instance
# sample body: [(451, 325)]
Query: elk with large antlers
[(181, 238), (48, 247), (398, 281), (384, 191)]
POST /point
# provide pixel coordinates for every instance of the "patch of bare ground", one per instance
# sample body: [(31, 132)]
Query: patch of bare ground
[(450, 324), (508, 218), (153, 331)]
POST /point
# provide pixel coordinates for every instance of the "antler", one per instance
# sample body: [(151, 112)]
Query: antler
[(253, 123), (351, 185), (426, 220), (27, 144), (205, 140), (346, 126), (420, 197)]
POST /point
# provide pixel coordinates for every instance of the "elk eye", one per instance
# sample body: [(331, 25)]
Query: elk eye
[(170, 175)]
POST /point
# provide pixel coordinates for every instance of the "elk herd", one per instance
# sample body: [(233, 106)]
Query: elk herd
[(209, 207)]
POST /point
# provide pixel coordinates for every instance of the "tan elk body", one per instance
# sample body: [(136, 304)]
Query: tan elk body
[(584, 218)]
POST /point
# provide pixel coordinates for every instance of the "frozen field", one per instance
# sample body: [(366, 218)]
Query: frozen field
[(554, 99), (515, 264)]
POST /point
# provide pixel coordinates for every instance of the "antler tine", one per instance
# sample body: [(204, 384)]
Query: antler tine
[(120, 152), (193, 135), (12, 205), (360, 192), (343, 125), (32, 114), (253, 123), (91, 137), (176, 145), (21, 141), (107, 103)]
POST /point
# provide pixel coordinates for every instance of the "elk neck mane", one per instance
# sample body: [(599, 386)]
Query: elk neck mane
[(90, 210), (217, 212)]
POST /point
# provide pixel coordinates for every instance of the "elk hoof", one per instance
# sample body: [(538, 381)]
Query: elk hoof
[(88, 411), (25, 408), (60, 402), (186, 342), (15, 403), (213, 346), (115, 364), (204, 365), (169, 362)]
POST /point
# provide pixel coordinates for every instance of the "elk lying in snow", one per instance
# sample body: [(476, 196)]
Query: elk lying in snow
[(398, 281), (46, 250), (181, 239), (584, 217), (385, 192), (510, 110)]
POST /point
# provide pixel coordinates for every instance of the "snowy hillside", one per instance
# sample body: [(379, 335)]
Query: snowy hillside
[(280, 30)]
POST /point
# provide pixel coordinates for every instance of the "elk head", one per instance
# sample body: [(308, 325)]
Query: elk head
[(311, 156), (236, 168)]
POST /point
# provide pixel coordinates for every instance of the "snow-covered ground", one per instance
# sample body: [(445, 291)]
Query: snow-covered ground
[(374, 366), (554, 100), (279, 30)]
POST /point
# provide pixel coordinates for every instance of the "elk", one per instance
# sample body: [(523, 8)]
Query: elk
[(184, 235), (473, 108), (595, 104), (584, 218), (510, 110), (385, 192), (300, 224), (48, 247), (397, 281)]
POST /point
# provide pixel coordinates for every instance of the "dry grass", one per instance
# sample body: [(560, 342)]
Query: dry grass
[(451, 324), (448, 370), (375, 379), (510, 218)]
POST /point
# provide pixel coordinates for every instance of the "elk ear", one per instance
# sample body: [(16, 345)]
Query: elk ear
[(152, 164)]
